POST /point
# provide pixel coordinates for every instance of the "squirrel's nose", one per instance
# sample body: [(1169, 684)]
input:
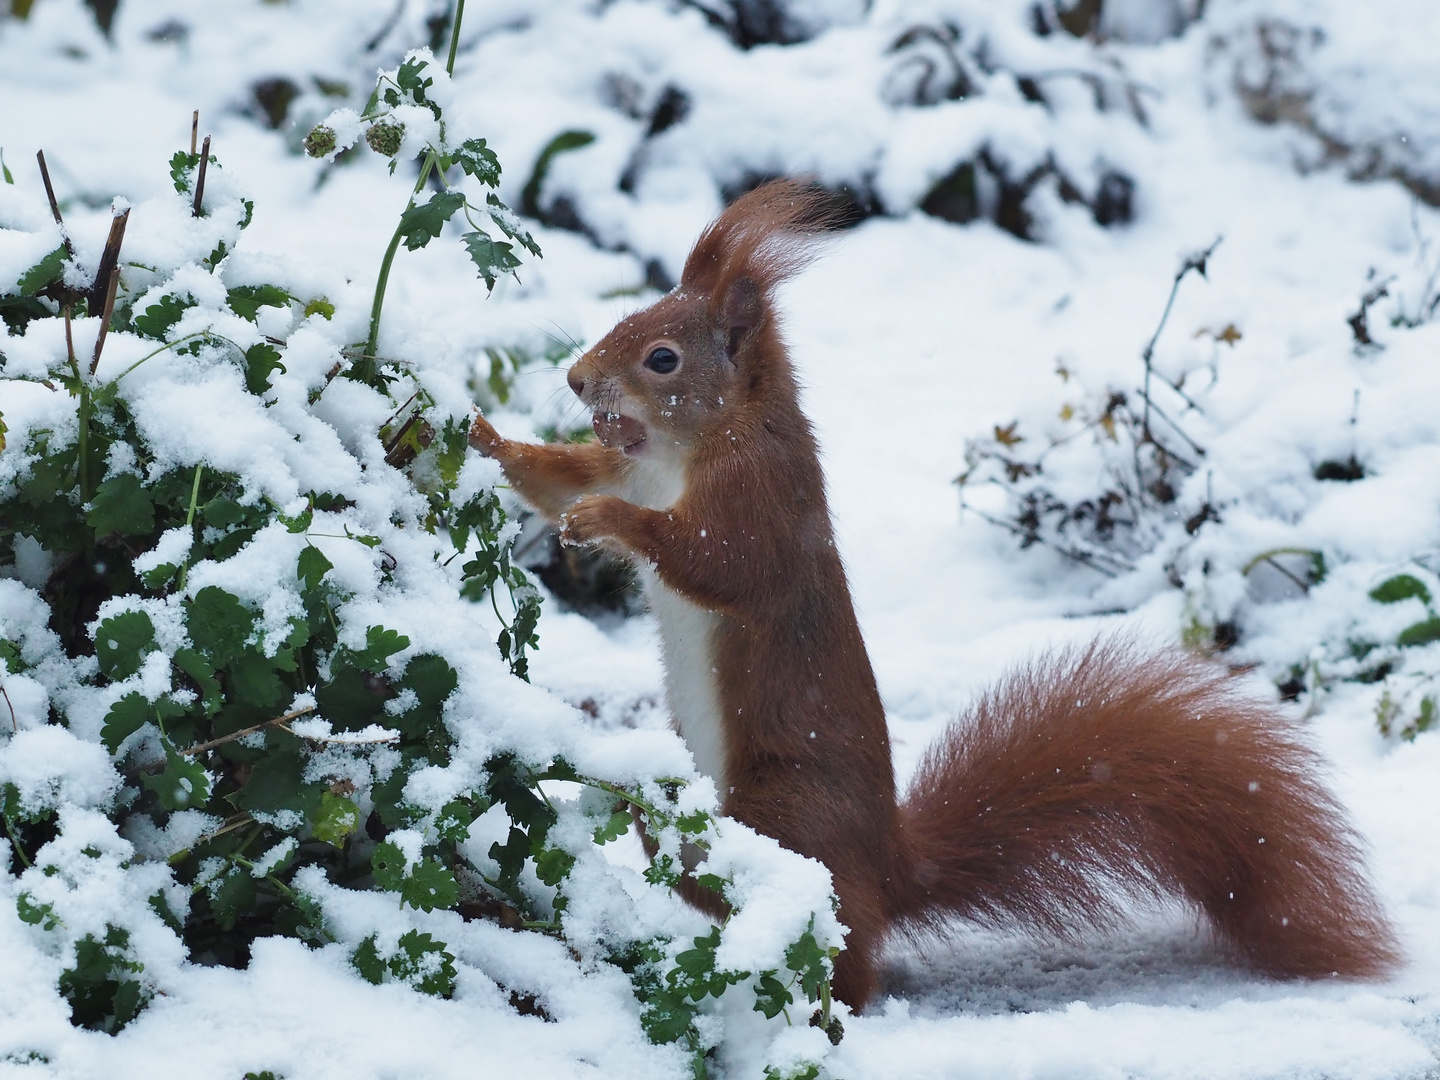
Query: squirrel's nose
[(576, 381)]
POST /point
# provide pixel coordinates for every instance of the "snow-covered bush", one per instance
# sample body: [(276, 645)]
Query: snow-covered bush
[(258, 673), (1300, 532)]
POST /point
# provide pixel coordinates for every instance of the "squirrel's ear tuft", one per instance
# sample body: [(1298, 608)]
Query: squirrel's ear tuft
[(743, 308), (766, 235)]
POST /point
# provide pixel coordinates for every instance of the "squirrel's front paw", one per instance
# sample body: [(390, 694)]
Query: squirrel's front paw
[(484, 437), (590, 520)]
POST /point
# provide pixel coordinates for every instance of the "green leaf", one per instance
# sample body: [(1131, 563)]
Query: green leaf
[(121, 506), (126, 716), (429, 886), (771, 995), (159, 905), (366, 960), (807, 960), (695, 822), (454, 821), (183, 782), (5, 169), (408, 79), (1428, 714), (320, 306), (121, 643), (202, 671), (181, 165), (479, 161), (312, 566), (157, 576), (432, 678), (1422, 633), (1398, 588), (617, 826), (380, 644), (510, 857), (277, 782), (34, 914), (261, 361), (387, 863), (233, 897), (10, 654), (46, 272), (553, 865), (351, 699), (102, 992), (247, 300), (362, 538), (425, 964), (491, 257), (299, 523), (421, 224), (219, 623), (222, 512), (130, 714), (157, 319), (338, 818), (254, 680), (506, 221)]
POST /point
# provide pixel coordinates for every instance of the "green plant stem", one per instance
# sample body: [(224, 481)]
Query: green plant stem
[(366, 367), (15, 842), (190, 519), (171, 345), (365, 370), (455, 36)]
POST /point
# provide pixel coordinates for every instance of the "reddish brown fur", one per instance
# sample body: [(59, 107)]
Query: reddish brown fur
[(1035, 809)]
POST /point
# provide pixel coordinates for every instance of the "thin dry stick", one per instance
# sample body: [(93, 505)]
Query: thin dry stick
[(1196, 261), (105, 319), (200, 748), (194, 128), (54, 203), (109, 260), (200, 178), (14, 724), (70, 343)]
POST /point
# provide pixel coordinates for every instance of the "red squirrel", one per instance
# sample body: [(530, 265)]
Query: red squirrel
[(1085, 776)]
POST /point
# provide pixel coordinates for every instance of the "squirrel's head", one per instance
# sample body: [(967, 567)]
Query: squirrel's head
[(709, 350)]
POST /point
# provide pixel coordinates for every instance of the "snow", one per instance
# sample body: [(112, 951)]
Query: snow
[(912, 335)]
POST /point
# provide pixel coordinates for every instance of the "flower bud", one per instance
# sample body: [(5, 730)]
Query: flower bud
[(320, 141), (384, 137)]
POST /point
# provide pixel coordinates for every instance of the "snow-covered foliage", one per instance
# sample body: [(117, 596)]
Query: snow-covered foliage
[(276, 498)]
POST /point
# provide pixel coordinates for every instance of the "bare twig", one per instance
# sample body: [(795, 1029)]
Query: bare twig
[(200, 177), (1200, 450), (54, 203), (105, 319), (14, 724), (1093, 561), (1196, 262), (70, 343), (200, 748), (109, 260), (194, 128)]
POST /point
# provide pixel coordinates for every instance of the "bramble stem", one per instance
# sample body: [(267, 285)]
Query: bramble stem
[(365, 369), (455, 36), (200, 748)]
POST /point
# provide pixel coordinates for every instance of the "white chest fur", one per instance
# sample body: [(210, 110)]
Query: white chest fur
[(687, 635), (687, 632)]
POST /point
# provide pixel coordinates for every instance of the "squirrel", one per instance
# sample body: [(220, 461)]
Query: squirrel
[(1085, 776)]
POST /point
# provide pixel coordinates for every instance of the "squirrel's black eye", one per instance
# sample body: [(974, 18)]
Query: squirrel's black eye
[(662, 361)]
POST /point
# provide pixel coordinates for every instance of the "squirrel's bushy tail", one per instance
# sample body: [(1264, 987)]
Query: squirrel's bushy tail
[(1101, 770)]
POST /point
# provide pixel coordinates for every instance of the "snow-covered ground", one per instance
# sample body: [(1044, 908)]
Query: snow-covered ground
[(914, 336)]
